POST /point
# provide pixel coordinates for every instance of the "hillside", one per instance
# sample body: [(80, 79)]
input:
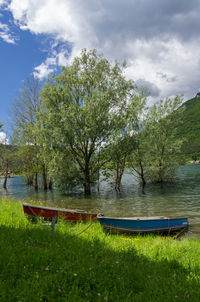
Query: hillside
[(190, 128)]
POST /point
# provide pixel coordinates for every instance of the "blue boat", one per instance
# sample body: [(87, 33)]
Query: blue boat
[(143, 224)]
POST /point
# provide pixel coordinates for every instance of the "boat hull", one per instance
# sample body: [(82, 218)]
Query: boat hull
[(65, 214), (139, 225)]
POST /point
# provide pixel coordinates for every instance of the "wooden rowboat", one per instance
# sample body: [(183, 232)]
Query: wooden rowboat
[(55, 213), (143, 224)]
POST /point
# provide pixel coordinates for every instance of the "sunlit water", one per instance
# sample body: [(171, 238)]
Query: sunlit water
[(178, 199)]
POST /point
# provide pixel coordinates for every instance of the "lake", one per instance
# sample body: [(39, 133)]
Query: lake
[(178, 199)]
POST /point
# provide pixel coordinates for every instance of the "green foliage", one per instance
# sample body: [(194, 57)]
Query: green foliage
[(83, 107), (25, 109), (116, 154), (157, 150), (26, 132), (123, 142), (189, 130), (88, 119)]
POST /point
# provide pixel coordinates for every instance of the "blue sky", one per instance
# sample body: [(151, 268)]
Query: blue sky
[(160, 41), (18, 59), (16, 63)]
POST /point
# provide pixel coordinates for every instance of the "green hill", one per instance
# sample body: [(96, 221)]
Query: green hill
[(189, 130)]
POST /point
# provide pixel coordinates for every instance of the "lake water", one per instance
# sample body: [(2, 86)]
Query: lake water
[(178, 199)]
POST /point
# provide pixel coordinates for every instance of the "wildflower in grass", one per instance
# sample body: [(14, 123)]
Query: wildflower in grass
[(126, 239), (176, 297), (47, 268), (190, 273), (75, 275)]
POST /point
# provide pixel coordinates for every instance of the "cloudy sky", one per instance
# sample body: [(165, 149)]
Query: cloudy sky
[(159, 39)]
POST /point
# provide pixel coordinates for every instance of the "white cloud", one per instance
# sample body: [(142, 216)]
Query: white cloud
[(5, 34), (3, 139), (3, 2), (159, 39), (62, 57), (7, 37), (43, 70), (175, 69)]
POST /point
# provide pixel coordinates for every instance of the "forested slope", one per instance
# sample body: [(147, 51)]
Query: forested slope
[(190, 127)]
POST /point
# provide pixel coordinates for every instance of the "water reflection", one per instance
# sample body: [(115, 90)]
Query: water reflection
[(178, 199)]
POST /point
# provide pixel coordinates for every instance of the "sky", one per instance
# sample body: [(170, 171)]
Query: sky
[(159, 39)]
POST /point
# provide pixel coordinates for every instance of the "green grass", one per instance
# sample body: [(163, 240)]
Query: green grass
[(92, 266)]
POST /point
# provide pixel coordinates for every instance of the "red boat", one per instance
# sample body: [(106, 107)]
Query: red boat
[(65, 214)]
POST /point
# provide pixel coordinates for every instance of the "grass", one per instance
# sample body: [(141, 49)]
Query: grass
[(92, 266)]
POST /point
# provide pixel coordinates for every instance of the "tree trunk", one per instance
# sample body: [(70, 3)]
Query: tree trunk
[(36, 181), (119, 179), (50, 184), (117, 185), (98, 180), (6, 176), (87, 188), (29, 180), (5, 182), (120, 172), (87, 182), (160, 173), (142, 175), (44, 175)]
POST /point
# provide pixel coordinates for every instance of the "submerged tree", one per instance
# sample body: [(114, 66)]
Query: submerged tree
[(157, 151), (25, 135), (83, 107), (137, 159), (4, 159), (123, 142), (117, 153)]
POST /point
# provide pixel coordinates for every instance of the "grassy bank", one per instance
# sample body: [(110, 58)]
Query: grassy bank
[(92, 266)]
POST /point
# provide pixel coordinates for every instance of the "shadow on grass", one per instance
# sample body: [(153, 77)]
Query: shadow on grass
[(35, 267)]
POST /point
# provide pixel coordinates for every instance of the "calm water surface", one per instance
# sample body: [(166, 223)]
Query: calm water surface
[(178, 199)]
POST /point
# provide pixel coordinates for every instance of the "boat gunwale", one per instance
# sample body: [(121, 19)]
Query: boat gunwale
[(58, 209), (142, 218)]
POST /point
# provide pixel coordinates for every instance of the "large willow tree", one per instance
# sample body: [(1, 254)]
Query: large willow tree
[(82, 108)]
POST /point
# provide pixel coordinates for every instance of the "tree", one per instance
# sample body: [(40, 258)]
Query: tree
[(83, 107), (138, 158), (25, 110), (123, 142), (7, 160), (157, 151), (117, 153)]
